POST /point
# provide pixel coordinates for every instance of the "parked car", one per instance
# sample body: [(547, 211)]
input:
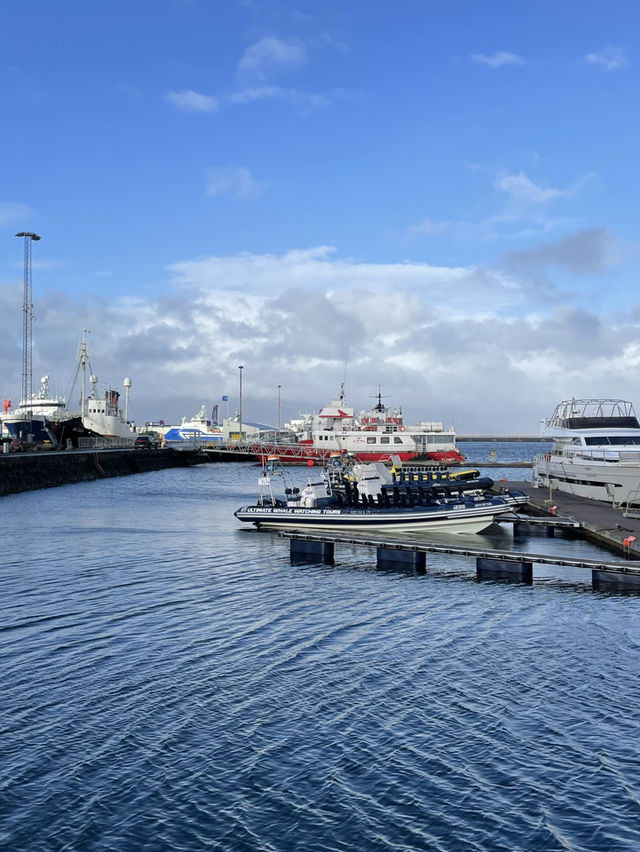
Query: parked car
[(144, 442)]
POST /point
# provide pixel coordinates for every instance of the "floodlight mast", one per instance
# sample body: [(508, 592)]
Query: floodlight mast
[(27, 322)]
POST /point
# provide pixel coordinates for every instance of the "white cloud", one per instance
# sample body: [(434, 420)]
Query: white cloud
[(272, 53), (304, 101), (233, 180), (14, 211), (609, 58), (522, 217), (521, 188), (498, 59), (257, 93), (447, 288), (188, 101), (429, 228), (441, 341), (587, 252)]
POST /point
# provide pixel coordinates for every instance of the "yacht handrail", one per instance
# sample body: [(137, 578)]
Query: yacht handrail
[(566, 454), (592, 408)]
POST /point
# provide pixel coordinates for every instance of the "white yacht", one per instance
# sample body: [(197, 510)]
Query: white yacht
[(595, 453)]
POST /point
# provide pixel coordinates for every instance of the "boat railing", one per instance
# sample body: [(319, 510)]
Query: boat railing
[(571, 455), (94, 443)]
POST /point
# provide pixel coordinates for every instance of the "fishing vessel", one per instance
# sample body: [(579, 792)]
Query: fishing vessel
[(99, 415), (370, 436), (595, 453), (31, 420), (196, 431), (352, 496)]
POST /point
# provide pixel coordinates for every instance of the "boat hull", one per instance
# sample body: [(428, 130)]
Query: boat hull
[(35, 429), (453, 517), (608, 482)]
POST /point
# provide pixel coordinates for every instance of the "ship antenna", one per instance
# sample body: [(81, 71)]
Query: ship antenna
[(379, 397), (344, 375)]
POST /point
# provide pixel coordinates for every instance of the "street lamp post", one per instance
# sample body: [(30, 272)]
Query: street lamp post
[(240, 369), (279, 386)]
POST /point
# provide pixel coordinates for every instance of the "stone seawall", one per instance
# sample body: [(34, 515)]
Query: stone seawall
[(32, 470)]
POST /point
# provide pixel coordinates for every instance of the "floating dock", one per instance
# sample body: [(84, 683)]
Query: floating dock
[(556, 512), (506, 565)]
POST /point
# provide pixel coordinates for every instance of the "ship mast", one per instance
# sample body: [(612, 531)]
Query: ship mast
[(83, 365), (27, 322)]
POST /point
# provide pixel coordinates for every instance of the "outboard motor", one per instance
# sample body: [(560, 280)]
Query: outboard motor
[(314, 494), (292, 496)]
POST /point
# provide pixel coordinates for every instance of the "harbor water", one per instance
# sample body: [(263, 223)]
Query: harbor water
[(170, 681)]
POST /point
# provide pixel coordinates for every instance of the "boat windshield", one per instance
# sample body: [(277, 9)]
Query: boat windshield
[(612, 440)]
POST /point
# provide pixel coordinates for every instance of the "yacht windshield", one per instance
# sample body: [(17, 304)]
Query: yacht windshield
[(612, 440)]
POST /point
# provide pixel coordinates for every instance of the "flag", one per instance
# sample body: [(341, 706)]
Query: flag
[(224, 398)]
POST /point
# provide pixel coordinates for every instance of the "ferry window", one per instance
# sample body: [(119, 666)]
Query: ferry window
[(397, 440), (371, 440), (384, 440)]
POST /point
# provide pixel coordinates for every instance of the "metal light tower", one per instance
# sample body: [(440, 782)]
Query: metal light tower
[(27, 320)]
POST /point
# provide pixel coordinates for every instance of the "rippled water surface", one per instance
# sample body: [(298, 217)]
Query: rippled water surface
[(171, 681)]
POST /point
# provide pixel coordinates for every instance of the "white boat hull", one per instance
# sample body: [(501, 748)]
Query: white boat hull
[(610, 482), (463, 519)]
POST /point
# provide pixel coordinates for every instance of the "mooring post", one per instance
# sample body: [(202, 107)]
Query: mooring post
[(514, 571), (390, 557), (305, 551)]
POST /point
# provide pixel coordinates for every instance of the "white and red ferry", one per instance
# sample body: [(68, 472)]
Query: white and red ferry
[(376, 435)]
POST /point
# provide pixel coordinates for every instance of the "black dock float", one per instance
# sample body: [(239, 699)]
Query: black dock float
[(392, 557), (504, 565), (305, 551), (513, 571), (615, 581)]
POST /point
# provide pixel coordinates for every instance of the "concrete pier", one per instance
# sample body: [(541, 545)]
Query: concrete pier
[(29, 471), (595, 520)]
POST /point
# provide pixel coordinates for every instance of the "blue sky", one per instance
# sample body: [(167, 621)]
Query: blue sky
[(434, 197)]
